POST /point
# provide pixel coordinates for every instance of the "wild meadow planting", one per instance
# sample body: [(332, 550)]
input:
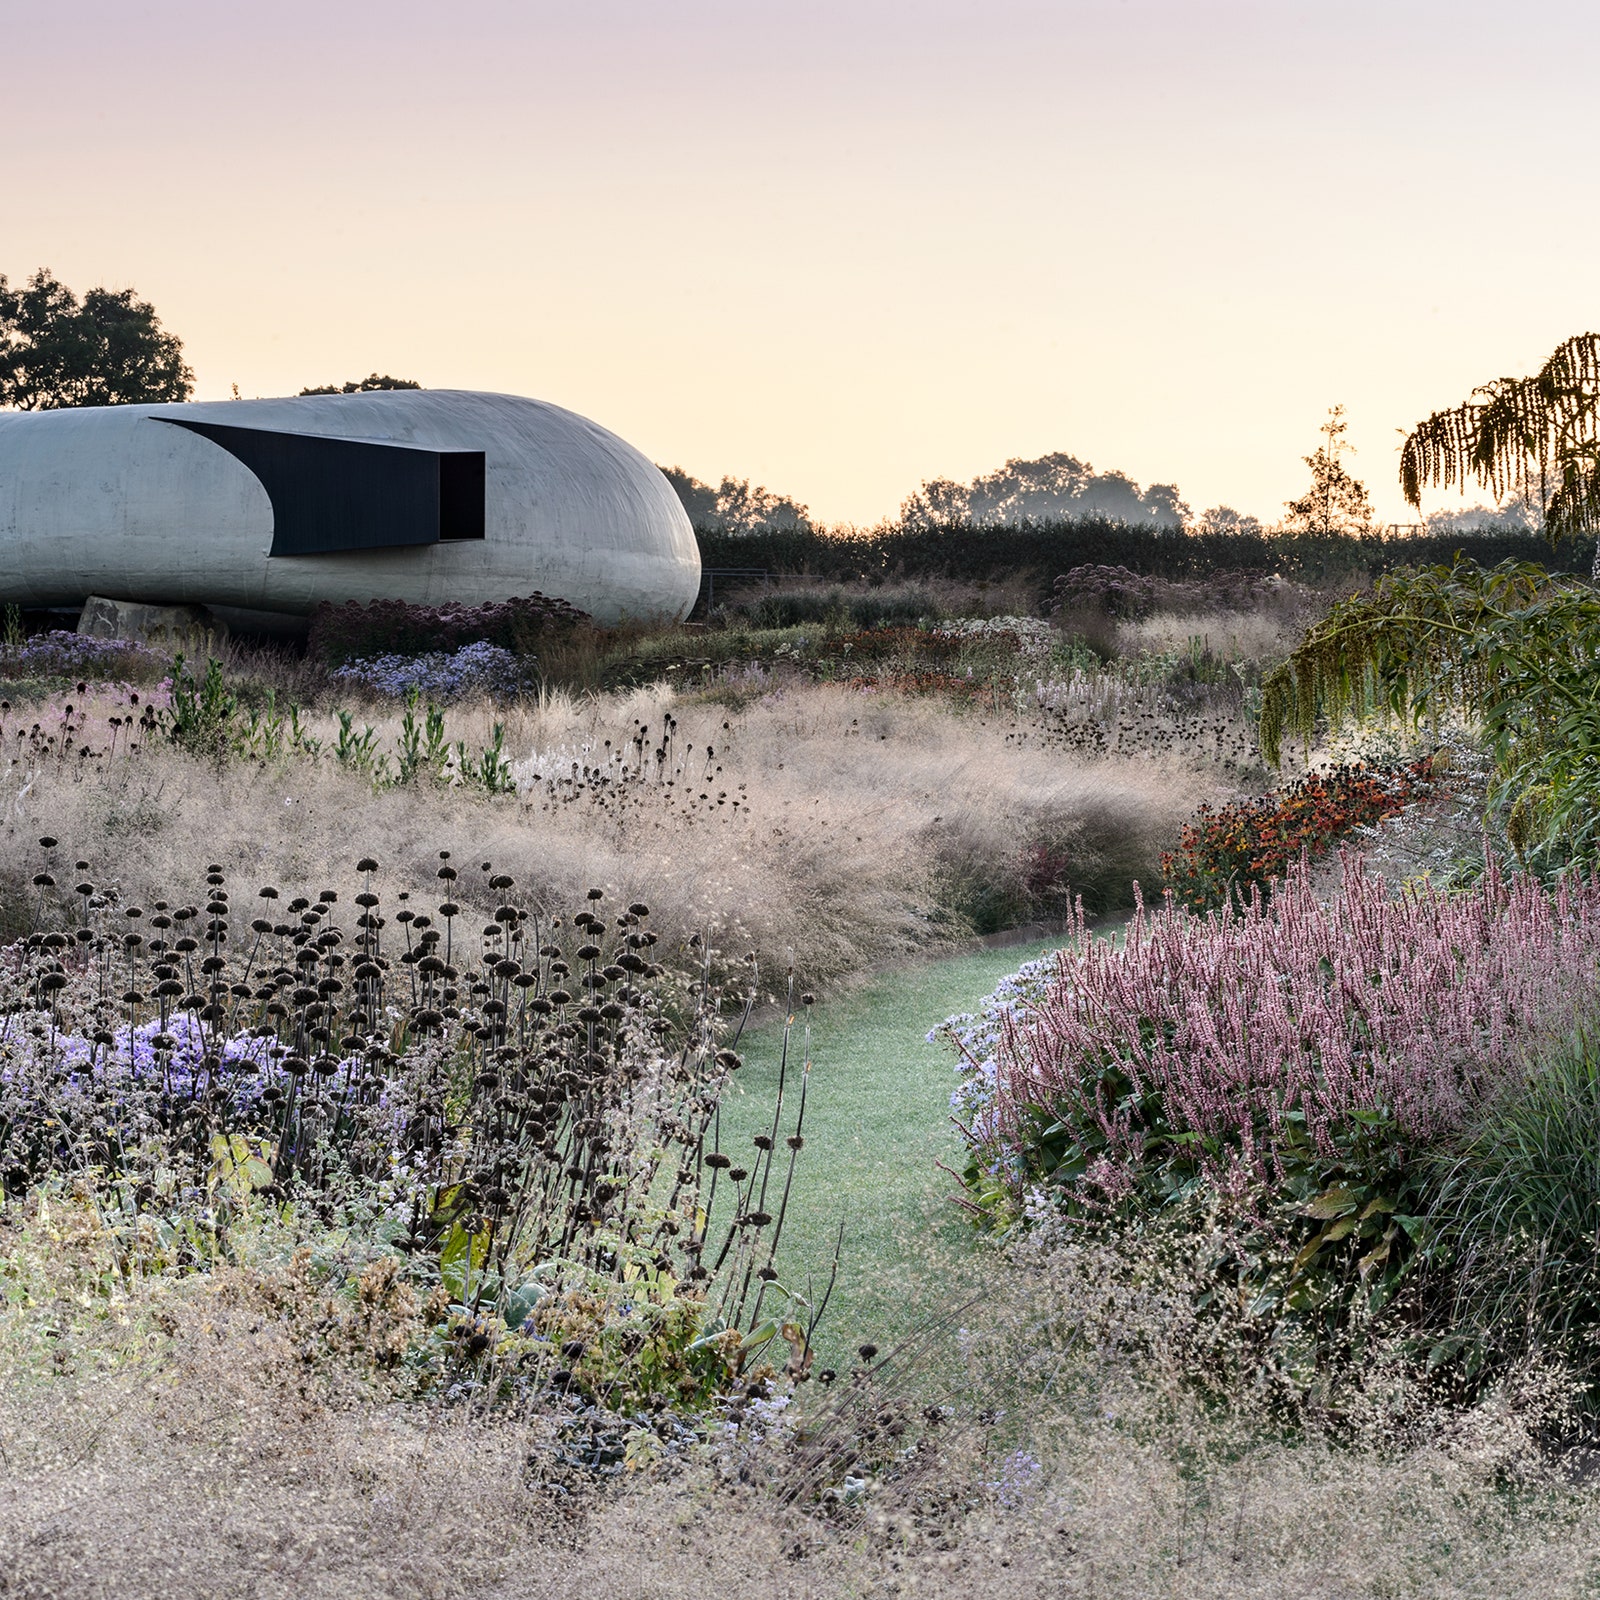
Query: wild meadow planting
[(372, 1037)]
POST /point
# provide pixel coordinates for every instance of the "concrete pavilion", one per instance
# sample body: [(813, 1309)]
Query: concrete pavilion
[(427, 496)]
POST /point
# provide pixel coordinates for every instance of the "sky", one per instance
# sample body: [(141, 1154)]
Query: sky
[(840, 246)]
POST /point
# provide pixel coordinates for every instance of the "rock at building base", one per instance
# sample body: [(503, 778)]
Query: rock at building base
[(142, 624)]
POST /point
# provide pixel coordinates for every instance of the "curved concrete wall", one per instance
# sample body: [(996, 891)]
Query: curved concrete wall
[(117, 501)]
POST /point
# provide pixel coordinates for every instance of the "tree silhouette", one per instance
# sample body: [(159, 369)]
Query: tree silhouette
[(1225, 520), (1045, 489), (377, 382), (1538, 436), (734, 507), (1335, 502), (108, 349)]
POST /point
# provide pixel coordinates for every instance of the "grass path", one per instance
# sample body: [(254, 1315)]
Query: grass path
[(877, 1120)]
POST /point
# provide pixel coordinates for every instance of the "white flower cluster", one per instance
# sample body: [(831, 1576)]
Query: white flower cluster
[(1033, 636)]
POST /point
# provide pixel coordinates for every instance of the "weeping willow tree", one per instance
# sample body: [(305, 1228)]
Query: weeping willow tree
[(1539, 436)]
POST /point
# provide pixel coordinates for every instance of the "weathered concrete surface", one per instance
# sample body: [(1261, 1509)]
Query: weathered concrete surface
[(114, 500), (104, 618)]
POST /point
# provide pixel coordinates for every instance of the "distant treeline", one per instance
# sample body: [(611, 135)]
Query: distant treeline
[(1046, 549)]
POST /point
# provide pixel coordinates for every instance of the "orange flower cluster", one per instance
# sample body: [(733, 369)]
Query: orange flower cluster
[(1226, 853)]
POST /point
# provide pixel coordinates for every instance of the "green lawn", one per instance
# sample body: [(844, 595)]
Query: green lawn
[(877, 1120)]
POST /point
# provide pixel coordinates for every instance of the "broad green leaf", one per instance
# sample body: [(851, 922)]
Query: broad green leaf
[(460, 1253), (1307, 1252), (521, 1302), (1333, 1203), (1373, 1258)]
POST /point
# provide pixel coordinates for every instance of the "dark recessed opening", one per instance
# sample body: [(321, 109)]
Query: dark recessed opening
[(331, 494), (461, 477)]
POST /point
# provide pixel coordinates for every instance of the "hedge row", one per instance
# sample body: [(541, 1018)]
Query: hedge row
[(965, 551)]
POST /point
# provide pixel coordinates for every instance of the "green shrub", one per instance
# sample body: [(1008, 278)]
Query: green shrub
[(204, 716), (1514, 649)]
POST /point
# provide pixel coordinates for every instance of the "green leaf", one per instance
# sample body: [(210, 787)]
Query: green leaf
[(1307, 1252), (460, 1253), (1333, 1203), (519, 1305), (1372, 1259)]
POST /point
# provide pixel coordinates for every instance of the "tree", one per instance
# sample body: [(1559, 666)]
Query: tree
[(366, 386), (698, 499), (1336, 503), (1538, 436), (939, 500), (109, 349), (1518, 513), (1044, 489), (1225, 520), (1514, 647), (1161, 503), (734, 507)]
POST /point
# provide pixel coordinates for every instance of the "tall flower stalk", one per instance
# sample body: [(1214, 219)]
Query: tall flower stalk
[(1245, 1032)]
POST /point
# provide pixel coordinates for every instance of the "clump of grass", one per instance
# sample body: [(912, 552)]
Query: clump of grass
[(998, 872), (816, 820), (171, 1436), (1519, 1210), (1135, 711), (1256, 639)]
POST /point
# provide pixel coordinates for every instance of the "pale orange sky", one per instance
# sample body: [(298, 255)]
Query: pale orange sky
[(840, 247)]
